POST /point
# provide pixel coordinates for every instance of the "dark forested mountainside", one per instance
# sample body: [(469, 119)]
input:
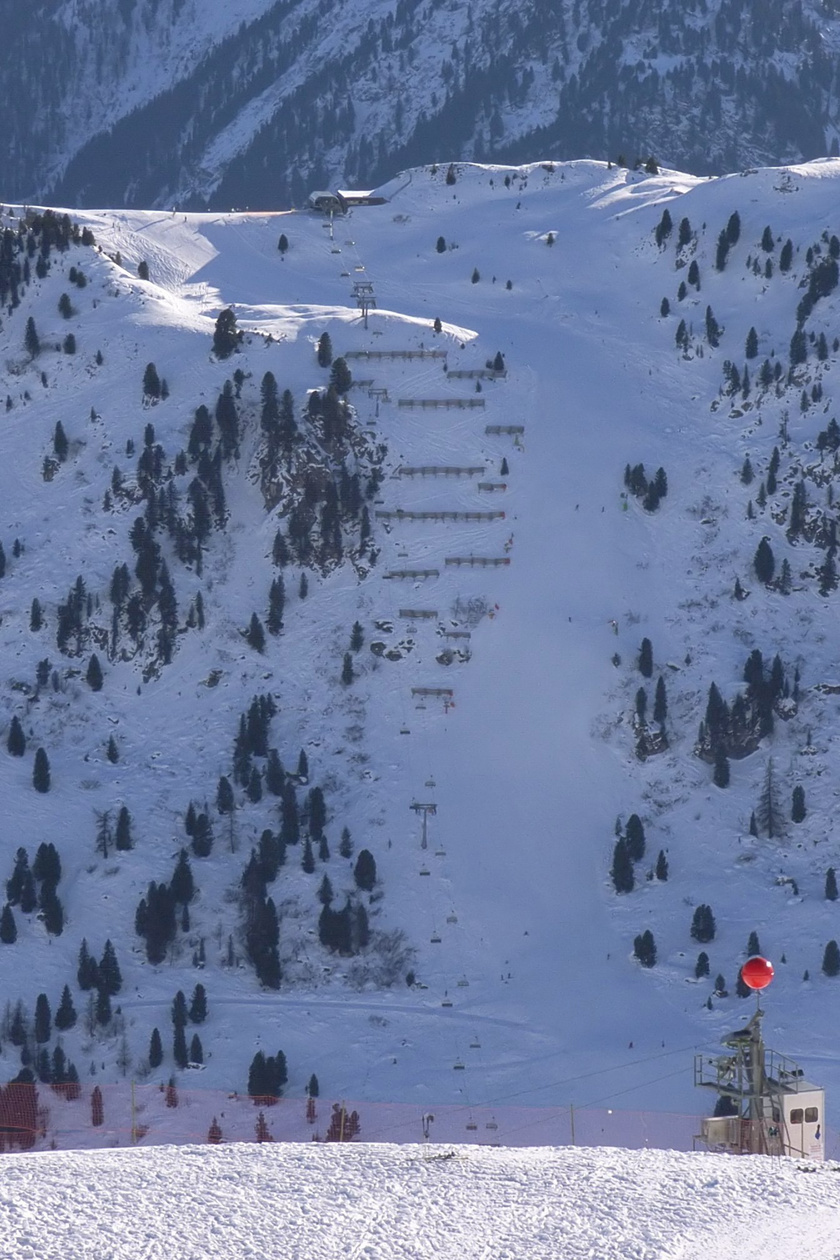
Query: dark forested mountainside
[(141, 102)]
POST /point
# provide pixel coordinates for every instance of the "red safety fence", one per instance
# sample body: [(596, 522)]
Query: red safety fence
[(87, 1117)]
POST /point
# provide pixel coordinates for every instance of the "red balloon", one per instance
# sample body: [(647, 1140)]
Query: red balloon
[(757, 972)]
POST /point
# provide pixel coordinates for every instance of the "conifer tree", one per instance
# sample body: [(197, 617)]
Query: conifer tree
[(701, 967), (661, 871), (122, 835), (97, 1108), (721, 252), (663, 228), (764, 562), (87, 972), (202, 838), (347, 672), (644, 948), (109, 976), (94, 673), (831, 959), (65, 1016), (155, 1049), (753, 944), (340, 376), (646, 659), (364, 871), (214, 1133), (198, 1005), (31, 339), (830, 886), (703, 925), (196, 1053), (254, 787), (660, 703), (41, 772), (255, 634), (641, 704), (635, 838), (60, 443), (8, 927), (226, 337), (797, 811), (224, 796), (16, 741), (179, 1047), (621, 872), (151, 382), (325, 351), (43, 1019), (276, 603), (712, 328)]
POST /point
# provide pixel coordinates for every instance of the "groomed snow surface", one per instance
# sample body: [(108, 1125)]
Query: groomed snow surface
[(378, 1202)]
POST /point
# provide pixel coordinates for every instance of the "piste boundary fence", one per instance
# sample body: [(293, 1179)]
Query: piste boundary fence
[(41, 1118)]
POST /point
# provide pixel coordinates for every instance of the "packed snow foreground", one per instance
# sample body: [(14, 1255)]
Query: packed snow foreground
[(197, 1203)]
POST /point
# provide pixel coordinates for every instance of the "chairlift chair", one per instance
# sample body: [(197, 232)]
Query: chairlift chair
[(425, 871), (475, 1044), (458, 1066), (463, 983), (472, 1127), (434, 939), (452, 918)]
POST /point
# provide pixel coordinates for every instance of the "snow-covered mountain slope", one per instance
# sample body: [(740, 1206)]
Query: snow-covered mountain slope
[(522, 960), (142, 102), (416, 1201)]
